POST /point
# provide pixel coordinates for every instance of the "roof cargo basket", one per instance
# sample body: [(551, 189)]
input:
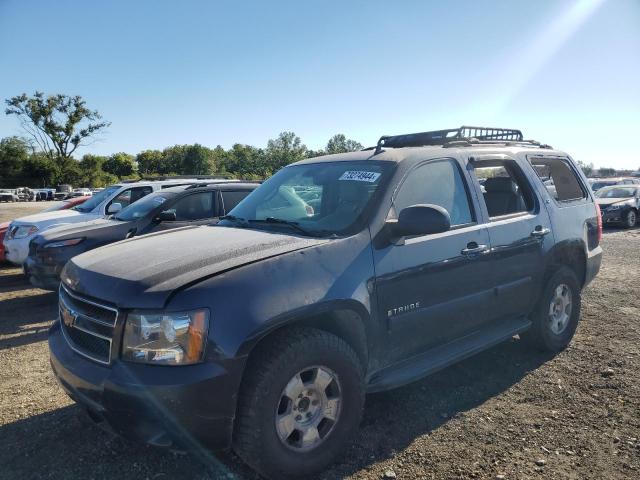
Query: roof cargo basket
[(443, 137)]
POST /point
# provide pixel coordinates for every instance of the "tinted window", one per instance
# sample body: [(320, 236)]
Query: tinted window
[(97, 199), (231, 199), (559, 178), (130, 195), (144, 206), (438, 183), (193, 207)]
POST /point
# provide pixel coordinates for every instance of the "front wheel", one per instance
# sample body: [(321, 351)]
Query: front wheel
[(630, 219), (300, 403), (557, 313)]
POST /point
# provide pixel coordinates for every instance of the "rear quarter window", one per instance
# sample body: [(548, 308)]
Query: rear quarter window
[(559, 178)]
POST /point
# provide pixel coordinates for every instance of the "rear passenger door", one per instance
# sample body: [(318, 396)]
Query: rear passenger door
[(432, 289), (520, 233), (194, 209)]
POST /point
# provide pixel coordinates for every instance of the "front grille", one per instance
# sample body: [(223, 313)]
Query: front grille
[(32, 248), (87, 326)]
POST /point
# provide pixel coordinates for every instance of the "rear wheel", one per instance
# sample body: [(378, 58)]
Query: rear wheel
[(557, 313), (630, 219), (300, 403)]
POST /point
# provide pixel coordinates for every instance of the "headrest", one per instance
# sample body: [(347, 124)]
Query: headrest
[(500, 184)]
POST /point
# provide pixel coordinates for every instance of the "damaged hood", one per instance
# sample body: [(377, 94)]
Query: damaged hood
[(143, 272)]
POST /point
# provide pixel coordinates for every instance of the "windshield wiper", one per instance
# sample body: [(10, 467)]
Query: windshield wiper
[(290, 223), (233, 218)]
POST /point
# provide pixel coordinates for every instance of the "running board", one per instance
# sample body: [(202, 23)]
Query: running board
[(443, 356)]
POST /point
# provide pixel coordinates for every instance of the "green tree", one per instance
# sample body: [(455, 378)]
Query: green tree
[(587, 168), (39, 171), (14, 151), (198, 160), (58, 124), (339, 143), (120, 164), (285, 149), (149, 162), (607, 172)]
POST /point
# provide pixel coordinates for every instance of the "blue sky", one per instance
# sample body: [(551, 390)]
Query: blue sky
[(566, 72)]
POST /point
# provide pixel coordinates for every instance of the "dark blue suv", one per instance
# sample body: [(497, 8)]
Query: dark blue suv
[(340, 275)]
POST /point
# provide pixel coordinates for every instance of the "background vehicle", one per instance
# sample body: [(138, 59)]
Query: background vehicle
[(59, 206), (8, 196), (598, 183), (197, 204), (62, 191), (269, 341), (619, 204), (108, 202), (25, 194)]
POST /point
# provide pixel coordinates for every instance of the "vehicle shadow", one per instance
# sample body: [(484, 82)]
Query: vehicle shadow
[(22, 319)]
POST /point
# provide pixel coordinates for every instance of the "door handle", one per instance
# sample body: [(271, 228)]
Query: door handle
[(474, 249), (540, 231)]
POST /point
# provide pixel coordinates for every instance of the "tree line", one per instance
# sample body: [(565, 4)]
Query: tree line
[(55, 126)]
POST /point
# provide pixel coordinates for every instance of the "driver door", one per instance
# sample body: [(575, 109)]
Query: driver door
[(432, 289)]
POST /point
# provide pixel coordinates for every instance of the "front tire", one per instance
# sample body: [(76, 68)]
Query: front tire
[(557, 313), (300, 403), (630, 219)]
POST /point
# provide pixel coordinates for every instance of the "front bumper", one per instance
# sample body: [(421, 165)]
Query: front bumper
[(613, 216), (17, 250), (191, 407), (44, 269)]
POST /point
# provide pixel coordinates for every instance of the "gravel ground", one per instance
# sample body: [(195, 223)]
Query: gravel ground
[(506, 413)]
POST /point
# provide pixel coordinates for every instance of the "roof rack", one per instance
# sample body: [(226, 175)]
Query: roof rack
[(222, 182), (462, 136)]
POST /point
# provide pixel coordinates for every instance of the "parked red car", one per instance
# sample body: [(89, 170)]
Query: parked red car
[(72, 202)]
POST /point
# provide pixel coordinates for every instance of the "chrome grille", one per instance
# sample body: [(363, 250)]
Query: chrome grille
[(87, 326)]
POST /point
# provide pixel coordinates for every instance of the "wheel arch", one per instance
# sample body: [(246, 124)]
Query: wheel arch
[(345, 319), (569, 253)]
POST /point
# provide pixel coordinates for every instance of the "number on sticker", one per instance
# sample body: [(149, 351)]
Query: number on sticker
[(360, 176)]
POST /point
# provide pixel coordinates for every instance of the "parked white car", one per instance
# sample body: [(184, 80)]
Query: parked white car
[(104, 203)]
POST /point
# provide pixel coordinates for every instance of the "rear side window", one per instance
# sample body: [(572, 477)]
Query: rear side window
[(504, 188), (559, 179), (231, 199), (438, 183)]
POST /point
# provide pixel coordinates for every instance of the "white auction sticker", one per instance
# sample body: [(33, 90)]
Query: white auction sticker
[(360, 176)]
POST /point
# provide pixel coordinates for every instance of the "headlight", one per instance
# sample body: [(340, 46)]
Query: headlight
[(24, 231), (63, 243), (166, 338)]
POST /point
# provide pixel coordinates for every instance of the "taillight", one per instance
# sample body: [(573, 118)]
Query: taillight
[(599, 220)]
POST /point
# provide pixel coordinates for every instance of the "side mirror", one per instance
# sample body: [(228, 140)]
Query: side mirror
[(114, 208), (166, 216), (420, 220)]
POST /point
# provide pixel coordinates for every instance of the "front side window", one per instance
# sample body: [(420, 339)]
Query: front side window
[(197, 206), (438, 183), (232, 198), (317, 198)]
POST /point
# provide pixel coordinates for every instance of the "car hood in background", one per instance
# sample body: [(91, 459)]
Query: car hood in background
[(144, 272), (605, 202), (101, 228), (61, 217)]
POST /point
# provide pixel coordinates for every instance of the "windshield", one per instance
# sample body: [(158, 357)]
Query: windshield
[(598, 185), (316, 198), (97, 199), (143, 206), (616, 192)]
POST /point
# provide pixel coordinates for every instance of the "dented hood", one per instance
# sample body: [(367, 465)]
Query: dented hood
[(144, 272)]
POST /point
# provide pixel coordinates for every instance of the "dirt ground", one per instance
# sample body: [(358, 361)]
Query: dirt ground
[(506, 413)]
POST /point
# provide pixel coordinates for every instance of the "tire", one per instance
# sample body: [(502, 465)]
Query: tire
[(263, 401), (551, 331), (630, 219)]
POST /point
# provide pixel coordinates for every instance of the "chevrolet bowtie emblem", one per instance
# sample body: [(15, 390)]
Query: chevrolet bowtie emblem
[(68, 316)]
